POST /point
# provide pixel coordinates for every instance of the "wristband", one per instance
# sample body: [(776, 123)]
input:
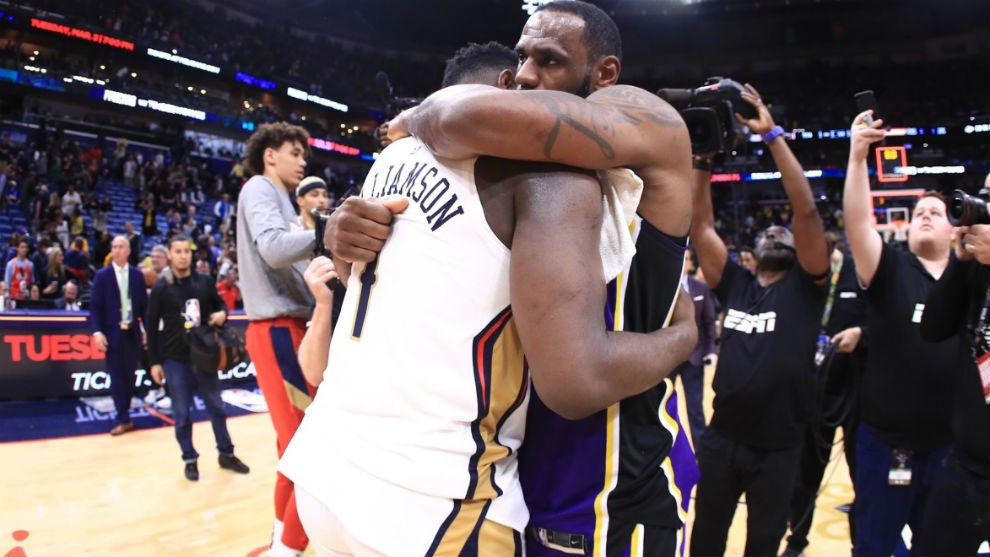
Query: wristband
[(774, 133)]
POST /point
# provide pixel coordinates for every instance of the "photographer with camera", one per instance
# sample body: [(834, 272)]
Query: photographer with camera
[(956, 518), (764, 377), (180, 300), (906, 391)]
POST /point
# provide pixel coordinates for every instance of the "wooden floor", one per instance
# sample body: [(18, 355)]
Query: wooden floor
[(126, 496)]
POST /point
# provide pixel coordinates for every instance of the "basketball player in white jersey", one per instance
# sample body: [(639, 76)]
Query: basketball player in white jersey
[(410, 445)]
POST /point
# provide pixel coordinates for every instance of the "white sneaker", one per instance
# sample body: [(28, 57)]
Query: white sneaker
[(165, 403), (154, 394)]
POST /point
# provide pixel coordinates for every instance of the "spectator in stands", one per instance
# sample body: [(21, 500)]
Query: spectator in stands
[(130, 169), (906, 397), (39, 204), (117, 304), (213, 251), (70, 298), (55, 275), (228, 289), (40, 256), (77, 226), (157, 262), (223, 210), (100, 213), (101, 251), (203, 268), (311, 194), (149, 226), (71, 200), (4, 296), (227, 261), (35, 295), (13, 194), (77, 260), (135, 240), (61, 229), (20, 273), (189, 227), (197, 197)]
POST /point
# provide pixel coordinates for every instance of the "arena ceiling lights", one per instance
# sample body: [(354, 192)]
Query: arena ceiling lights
[(304, 96)]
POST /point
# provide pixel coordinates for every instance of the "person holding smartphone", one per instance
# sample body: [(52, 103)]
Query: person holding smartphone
[(906, 392)]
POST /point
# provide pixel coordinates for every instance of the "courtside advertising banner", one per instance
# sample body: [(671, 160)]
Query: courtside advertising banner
[(52, 355)]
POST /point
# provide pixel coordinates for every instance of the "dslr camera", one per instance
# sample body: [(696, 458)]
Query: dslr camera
[(967, 210), (709, 112)]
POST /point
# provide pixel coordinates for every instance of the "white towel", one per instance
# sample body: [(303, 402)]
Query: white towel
[(621, 190)]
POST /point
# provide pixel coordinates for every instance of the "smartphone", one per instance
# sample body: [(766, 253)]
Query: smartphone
[(866, 100)]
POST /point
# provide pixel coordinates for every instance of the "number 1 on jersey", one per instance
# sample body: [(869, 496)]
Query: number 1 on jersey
[(368, 279)]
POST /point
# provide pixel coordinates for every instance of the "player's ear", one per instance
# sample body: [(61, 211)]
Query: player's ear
[(507, 79), (606, 72)]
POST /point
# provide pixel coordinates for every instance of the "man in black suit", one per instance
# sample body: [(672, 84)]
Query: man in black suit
[(117, 303), (70, 298)]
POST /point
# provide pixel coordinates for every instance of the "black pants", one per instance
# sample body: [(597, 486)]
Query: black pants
[(957, 517), (729, 469), (841, 401)]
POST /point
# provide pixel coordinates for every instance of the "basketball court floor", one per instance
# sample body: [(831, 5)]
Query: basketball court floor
[(69, 489)]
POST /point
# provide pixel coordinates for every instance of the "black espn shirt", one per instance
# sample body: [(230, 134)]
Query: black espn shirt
[(765, 375), (907, 389)]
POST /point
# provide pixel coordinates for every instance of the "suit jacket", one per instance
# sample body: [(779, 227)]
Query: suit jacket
[(104, 303), (60, 303)]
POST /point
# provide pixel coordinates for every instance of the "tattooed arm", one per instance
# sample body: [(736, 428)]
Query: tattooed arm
[(617, 126)]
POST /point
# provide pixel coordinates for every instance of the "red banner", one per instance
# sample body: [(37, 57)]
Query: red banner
[(52, 354)]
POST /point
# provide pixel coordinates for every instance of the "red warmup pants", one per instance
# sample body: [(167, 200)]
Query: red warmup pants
[(273, 345)]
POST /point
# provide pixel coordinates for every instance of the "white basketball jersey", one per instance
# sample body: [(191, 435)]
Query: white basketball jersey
[(426, 388)]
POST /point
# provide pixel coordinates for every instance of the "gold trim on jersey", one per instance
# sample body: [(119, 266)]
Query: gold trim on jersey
[(502, 381)]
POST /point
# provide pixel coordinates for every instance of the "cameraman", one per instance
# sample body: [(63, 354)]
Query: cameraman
[(763, 380), (906, 391), (957, 518)]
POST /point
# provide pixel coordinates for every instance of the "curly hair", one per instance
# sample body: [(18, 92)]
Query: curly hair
[(272, 135), (469, 63)]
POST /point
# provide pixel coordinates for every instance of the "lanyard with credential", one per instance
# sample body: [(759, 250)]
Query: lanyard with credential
[(827, 314)]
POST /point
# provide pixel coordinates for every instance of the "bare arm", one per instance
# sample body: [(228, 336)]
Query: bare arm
[(711, 250), (806, 225), (577, 366), (314, 350), (616, 126), (864, 241)]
